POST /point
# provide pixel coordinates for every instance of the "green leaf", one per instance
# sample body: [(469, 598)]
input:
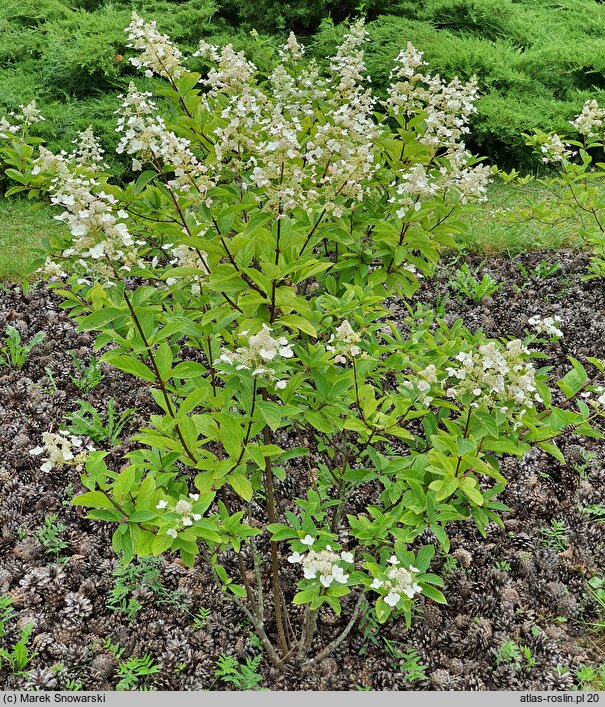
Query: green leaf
[(319, 421), (553, 450), (241, 485), (469, 488), (231, 433), (486, 422), (161, 543), (238, 590), (424, 557), (128, 364), (99, 318), (124, 482), (95, 499), (256, 455), (297, 323), (433, 594), (305, 596), (444, 488), (111, 516), (281, 532), (383, 610), (142, 516), (271, 414), (163, 360)]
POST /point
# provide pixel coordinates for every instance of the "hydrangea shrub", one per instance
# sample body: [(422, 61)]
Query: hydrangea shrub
[(245, 277), (573, 184)]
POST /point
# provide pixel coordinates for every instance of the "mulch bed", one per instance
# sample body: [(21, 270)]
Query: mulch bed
[(515, 585)]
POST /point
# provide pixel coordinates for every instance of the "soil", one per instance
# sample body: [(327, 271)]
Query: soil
[(520, 584)]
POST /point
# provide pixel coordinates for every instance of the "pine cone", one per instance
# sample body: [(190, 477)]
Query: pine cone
[(559, 680), (104, 665), (463, 556), (442, 680), (525, 565), (431, 615), (77, 607), (41, 679)]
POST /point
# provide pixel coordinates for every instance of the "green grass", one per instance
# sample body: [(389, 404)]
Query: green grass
[(492, 228), (23, 226)]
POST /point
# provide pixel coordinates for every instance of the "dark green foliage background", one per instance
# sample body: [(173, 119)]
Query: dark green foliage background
[(537, 61)]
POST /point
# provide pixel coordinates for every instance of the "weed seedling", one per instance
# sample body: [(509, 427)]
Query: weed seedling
[(52, 382), (590, 677), (88, 422), (87, 376), (555, 537), (242, 676), (508, 654), (542, 271), (467, 286), (18, 657), (146, 573), (595, 511), (6, 613), (49, 535), (370, 626), (201, 617), (13, 352), (583, 468), (131, 671), (409, 662), (597, 590)]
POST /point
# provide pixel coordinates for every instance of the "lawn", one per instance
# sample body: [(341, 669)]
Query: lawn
[(491, 229), (24, 225)]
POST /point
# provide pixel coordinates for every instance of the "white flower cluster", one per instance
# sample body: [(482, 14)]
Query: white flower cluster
[(554, 150), (448, 106), (494, 375), (446, 109), (29, 115), (341, 150), (232, 73), (146, 137), (348, 62), (291, 50), (600, 396), (590, 121), (270, 136), (88, 151), (184, 509), (548, 325), (397, 583), (325, 565), (280, 153), (295, 92), (344, 343), (186, 257), (404, 77), (262, 349), (61, 449), (159, 55), (49, 162), (242, 107), (7, 129), (427, 378), (415, 185), (95, 222)]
